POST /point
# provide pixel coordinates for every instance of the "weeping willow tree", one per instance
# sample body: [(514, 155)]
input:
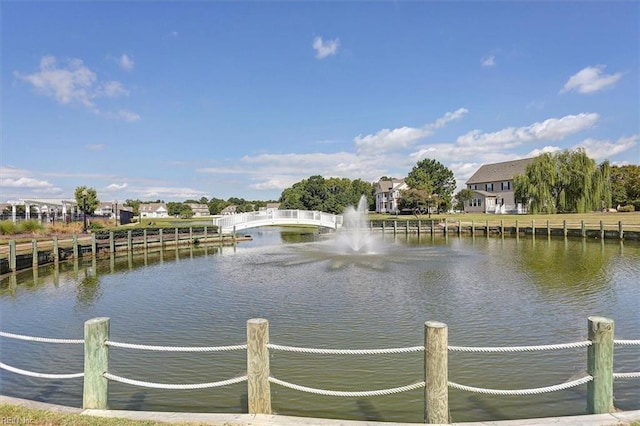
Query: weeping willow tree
[(567, 181)]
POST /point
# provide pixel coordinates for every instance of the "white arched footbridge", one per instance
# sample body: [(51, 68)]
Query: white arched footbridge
[(240, 221)]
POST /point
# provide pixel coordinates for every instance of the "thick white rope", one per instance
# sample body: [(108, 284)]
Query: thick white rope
[(175, 348), (511, 392), (626, 342), (39, 375), (355, 394), (345, 351), (634, 375), (174, 386), (39, 339), (582, 344)]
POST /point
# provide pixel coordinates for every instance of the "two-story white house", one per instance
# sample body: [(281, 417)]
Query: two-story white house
[(153, 210), (388, 194), (493, 189), (199, 210)]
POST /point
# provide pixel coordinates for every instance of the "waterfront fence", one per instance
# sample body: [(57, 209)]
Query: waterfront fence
[(599, 377), (600, 230), (15, 257)]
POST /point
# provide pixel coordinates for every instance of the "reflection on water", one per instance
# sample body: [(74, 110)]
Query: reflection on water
[(490, 292)]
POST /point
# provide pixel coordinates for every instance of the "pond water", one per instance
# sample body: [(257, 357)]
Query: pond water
[(489, 291)]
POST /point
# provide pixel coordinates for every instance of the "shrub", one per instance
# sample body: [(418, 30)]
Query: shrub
[(31, 225), (627, 208), (95, 226), (7, 227)]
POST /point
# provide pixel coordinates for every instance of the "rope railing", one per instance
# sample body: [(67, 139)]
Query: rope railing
[(192, 386), (626, 342), (40, 339), (22, 372), (436, 348), (351, 394), (515, 392), (175, 348), (345, 351), (582, 344)]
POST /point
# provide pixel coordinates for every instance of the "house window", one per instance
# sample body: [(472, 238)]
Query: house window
[(506, 186), (488, 187)]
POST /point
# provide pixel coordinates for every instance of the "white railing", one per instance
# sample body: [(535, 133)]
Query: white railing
[(246, 220)]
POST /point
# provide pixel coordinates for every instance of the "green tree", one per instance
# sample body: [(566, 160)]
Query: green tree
[(462, 197), (625, 185), (435, 178), (216, 205), (134, 204), (88, 203), (568, 181), (416, 200)]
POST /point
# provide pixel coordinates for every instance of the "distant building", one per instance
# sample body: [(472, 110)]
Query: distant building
[(229, 210), (270, 207), (199, 209), (153, 210), (493, 189), (388, 194)]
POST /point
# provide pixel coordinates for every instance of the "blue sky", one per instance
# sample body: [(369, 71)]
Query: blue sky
[(175, 100)]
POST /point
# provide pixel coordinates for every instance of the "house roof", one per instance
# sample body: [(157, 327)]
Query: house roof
[(152, 207), (388, 185), (273, 205), (496, 172)]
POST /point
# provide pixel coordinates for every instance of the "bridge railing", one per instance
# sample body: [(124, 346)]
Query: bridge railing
[(599, 375), (278, 216)]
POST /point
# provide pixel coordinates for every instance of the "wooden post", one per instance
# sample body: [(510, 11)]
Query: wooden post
[(600, 366), (517, 229), (501, 227), (112, 242), (75, 246), (94, 245), (161, 239), (34, 251), (473, 229), (129, 241), (233, 236), (445, 230), (12, 255), (205, 233), (583, 229), (564, 228), (395, 227), (406, 227), (436, 375), (383, 222), (191, 234), (486, 229), (459, 227), (620, 230), (419, 223), (177, 236), (258, 386), (533, 228), (96, 363), (144, 236), (601, 230), (548, 229), (56, 253)]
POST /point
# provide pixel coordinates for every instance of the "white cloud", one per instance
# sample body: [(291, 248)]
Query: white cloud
[(548, 130), (403, 137), (488, 61), (127, 116), (24, 182), (95, 147), (126, 62), (169, 193), (602, 149), (116, 187), (590, 80), (70, 82), (325, 48), (543, 150)]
